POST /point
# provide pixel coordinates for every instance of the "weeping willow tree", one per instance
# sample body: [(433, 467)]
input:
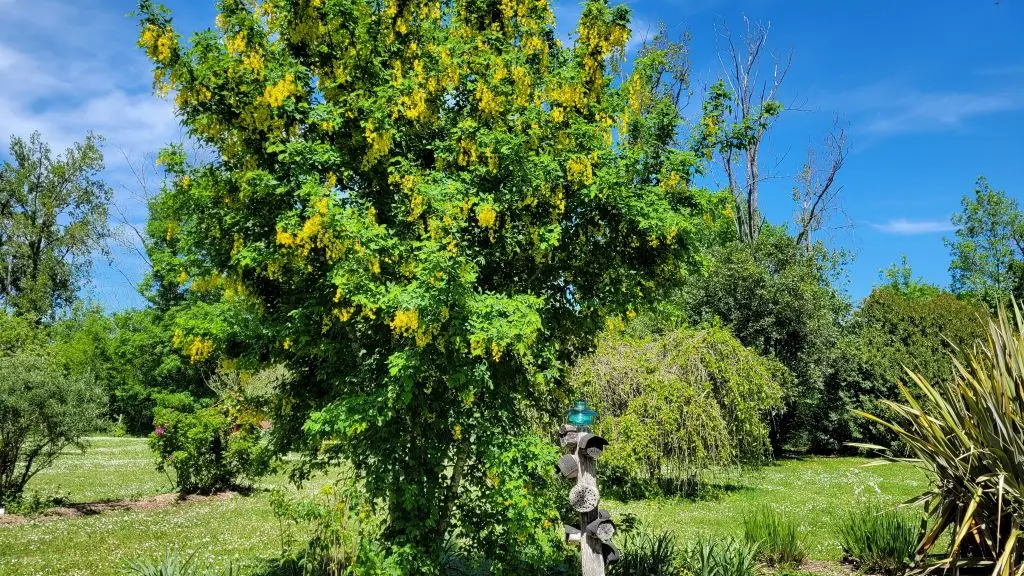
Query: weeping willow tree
[(677, 403)]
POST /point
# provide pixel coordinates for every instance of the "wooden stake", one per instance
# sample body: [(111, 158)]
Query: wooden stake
[(590, 547)]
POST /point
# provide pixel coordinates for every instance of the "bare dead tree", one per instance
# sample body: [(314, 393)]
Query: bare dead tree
[(130, 235), (754, 93), (817, 191)]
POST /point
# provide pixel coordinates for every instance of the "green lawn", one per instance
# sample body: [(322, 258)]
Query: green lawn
[(815, 491), (244, 531)]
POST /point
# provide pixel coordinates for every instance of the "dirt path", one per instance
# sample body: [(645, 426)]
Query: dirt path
[(90, 508)]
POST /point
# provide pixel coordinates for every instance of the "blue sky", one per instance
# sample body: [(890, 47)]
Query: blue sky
[(932, 94)]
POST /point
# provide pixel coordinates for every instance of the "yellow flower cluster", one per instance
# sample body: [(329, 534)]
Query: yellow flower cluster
[(158, 42), (253, 61), (405, 322), (523, 85), (570, 96), (235, 44), (487, 216), (489, 103), (414, 105), (579, 170), (379, 144), (673, 183), (199, 349), (467, 152), (275, 95)]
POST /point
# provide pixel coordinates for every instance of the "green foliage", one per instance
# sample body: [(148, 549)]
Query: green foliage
[(988, 249), (209, 449), (649, 554), (967, 432), (776, 538), (511, 515), (709, 556), (900, 277), (777, 298), (339, 530), (893, 329), (43, 411), (428, 209), (53, 214), (676, 403), (171, 564), (879, 540)]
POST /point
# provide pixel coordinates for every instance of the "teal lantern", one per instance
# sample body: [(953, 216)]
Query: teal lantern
[(580, 415)]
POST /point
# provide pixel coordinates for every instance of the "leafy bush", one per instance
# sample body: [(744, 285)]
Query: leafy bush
[(515, 501), (646, 554), (336, 532), (897, 325), (776, 538), (216, 447), (967, 435), (677, 403), (43, 411), (207, 449), (879, 540), (710, 556), (777, 297)]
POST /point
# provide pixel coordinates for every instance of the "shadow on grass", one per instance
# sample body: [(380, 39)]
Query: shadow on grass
[(703, 491)]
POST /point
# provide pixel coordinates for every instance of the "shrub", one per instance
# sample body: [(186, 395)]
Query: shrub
[(967, 436), (780, 299), (339, 531), (207, 449), (646, 554), (677, 403), (515, 501), (709, 556), (775, 537), (43, 411), (879, 540)]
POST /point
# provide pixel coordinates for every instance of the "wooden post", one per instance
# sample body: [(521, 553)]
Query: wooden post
[(595, 528), (590, 547)]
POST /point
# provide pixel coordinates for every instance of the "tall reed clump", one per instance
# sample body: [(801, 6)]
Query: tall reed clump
[(649, 554), (775, 537), (710, 556), (968, 434), (879, 540)]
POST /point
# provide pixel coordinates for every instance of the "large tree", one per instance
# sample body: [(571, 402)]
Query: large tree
[(431, 206), (988, 248), (53, 217)]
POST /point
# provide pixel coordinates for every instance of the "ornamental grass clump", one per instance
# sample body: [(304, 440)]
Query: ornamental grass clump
[(879, 540), (776, 538), (711, 556), (968, 434)]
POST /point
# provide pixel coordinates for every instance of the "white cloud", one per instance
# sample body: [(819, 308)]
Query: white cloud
[(906, 227), (886, 110), (67, 68)]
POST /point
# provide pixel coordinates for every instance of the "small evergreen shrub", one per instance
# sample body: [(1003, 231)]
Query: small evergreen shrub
[(776, 538), (710, 556), (879, 540)]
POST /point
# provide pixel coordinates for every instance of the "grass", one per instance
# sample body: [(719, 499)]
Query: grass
[(815, 492), (242, 530), (110, 469)]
